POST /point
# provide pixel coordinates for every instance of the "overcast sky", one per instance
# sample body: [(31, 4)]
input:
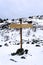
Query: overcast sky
[(20, 8)]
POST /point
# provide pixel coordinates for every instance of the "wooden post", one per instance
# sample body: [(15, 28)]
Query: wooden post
[(20, 35), (20, 26)]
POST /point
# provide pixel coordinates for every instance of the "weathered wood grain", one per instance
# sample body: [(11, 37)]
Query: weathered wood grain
[(20, 25)]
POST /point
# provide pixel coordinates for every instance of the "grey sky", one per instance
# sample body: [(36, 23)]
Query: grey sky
[(20, 8)]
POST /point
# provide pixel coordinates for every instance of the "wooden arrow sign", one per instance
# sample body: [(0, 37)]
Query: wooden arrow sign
[(20, 26), (12, 25)]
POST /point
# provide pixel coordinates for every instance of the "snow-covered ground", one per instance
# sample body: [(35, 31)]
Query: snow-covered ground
[(11, 37)]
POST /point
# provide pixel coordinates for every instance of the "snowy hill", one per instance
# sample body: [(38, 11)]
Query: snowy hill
[(32, 39)]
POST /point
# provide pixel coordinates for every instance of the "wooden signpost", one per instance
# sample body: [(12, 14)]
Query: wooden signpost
[(12, 25), (20, 35)]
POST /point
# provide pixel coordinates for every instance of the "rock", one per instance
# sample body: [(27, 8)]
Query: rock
[(1, 21), (18, 43), (35, 41), (13, 54), (26, 51), (32, 43), (4, 27), (20, 51), (27, 43), (30, 22), (0, 45), (9, 41), (37, 45), (23, 57), (5, 44), (12, 19), (5, 19), (31, 17), (13, 60)]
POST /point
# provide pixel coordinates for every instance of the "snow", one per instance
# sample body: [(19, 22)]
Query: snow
[(40, 22), (35, 54), (35, 59)]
